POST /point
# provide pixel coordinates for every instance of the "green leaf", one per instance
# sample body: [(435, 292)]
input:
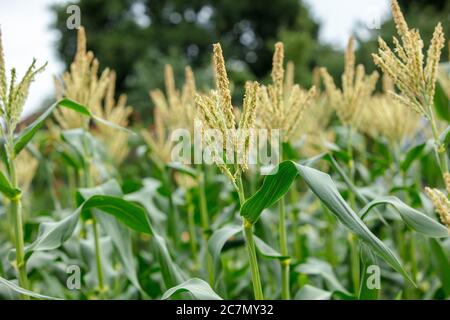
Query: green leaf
[(119, 234), (441, 102), (308, 292), (28, 133), (413, 153), (277, 184), (126, 212), (367, 290), (6, 188), (182, 168), (198, 288), (218, 240), (323, 269), (146, 197), (325, 189), (52, 235), (267, 251), (442, 265), (136, 218), (14, 287), (415, 219)]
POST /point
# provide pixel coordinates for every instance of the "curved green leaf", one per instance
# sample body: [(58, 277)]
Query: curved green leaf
[(136, 218), (14, 287), (267, 251), (323, 269), (182, 168), (308, 292), (442, 265), (52, 235), (198, 288), (414, 153), (277, 184), (325, 189), (218, 240), (28, 133), (126, 212), (415, 219), (6, 188)]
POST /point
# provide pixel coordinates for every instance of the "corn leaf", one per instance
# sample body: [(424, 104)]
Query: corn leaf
[(120, 235), (415, 219), (6, 188), (368, 290), (28, 133), (308, 292), (136, 218), (413, 153), (267, 251), (198, 288), (14, 287), (277, 184), (218, 240), (52, 235), (442, 265), (316, 267)]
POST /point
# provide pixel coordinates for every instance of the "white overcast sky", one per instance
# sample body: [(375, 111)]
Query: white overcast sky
[(26, 33)]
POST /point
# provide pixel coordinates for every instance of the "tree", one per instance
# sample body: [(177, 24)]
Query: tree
[(420, 14), (136, 38)]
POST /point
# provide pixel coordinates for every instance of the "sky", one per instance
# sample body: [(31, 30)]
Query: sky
[(26, 34)]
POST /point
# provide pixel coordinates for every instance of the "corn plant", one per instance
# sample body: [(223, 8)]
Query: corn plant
[(355, 207)]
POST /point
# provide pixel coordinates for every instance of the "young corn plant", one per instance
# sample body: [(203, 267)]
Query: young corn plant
[(281, 106), (217, 113), (13, 95)]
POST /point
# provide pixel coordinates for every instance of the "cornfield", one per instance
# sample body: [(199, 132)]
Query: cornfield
[(353, 204)]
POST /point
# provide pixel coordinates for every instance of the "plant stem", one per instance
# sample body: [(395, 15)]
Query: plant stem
[(204, 220), (88, 183), (16, 208), (191, 225), (173, 216), (98, 259), (295, 224), (251, 250), (354, 248), (284, 263), (17, 219), (257, 288)]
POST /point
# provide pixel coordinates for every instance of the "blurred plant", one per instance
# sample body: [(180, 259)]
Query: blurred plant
[(314, 132), (174, 111), (357, 88), (83, 85), (385, 116), (282, 104)]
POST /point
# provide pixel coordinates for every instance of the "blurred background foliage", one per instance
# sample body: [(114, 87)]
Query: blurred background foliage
[(137, 37)]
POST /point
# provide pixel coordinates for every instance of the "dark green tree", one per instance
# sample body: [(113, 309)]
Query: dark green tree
[(137, 37), (420, 14)]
